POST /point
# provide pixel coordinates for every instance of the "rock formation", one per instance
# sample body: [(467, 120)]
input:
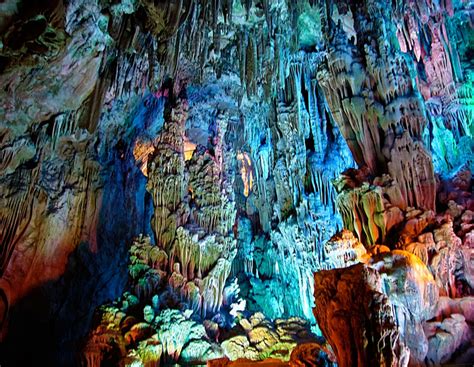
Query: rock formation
[(356, 318), (214, 172)]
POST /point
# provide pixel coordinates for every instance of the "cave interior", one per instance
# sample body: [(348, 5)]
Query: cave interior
[(236, 183)]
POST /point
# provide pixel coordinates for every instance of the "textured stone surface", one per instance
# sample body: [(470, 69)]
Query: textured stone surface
[(259, 338), (413, 294), (311, 355), (356, 318), (224, 144)]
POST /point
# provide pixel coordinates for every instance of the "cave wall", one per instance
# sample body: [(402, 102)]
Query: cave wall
[(72, 196)]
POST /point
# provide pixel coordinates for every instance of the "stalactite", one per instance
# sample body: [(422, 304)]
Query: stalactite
[(362, 211), (437, 50), (301, 108), (64, 124), (384, 136), (251, 65), (15, 220)]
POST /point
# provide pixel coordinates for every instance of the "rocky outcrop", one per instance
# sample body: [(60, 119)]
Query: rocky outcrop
[(357, 319), (259, 338), (311, 354), (429, 329), (451, 329), (446, 337), (413, 295), (445, 247)]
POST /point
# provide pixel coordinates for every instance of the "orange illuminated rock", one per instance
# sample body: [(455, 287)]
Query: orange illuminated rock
[(141, 153), (357, 319), (189, 148), (246, 171), (413, 294), (311, 355)]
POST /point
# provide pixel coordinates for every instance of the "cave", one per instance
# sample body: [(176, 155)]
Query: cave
[(236, 183)]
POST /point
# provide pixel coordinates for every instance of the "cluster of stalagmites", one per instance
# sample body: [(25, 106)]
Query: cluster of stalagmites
[(410, 301), (443, 240), (418, 289), (148, 339), (368, 83), (149, 326), (292, 199), (193, 215), (180, 302)]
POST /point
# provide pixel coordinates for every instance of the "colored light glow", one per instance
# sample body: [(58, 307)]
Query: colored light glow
[(189, 148), (141, 151), (246, 172)]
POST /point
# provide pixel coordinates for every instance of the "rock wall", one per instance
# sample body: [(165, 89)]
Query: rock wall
[(356, 318), (67, 212)]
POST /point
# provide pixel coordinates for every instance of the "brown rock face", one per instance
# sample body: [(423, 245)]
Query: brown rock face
[(356, 318), (310, 355)]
